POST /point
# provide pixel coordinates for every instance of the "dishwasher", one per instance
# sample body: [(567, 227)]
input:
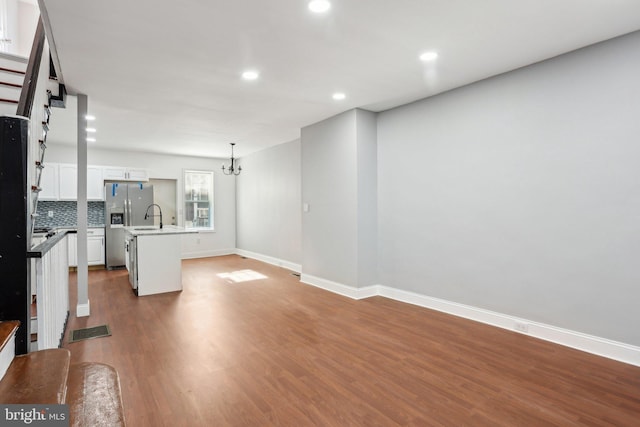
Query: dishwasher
[(131, 261)]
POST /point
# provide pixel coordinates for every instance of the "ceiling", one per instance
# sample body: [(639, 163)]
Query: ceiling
[(165, 76)]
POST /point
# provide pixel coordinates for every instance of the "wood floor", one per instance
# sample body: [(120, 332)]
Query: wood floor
[(273, 351)]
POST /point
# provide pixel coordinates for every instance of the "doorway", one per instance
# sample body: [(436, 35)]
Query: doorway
[(164, 194)]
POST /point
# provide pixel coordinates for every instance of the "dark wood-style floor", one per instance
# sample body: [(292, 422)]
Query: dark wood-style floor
[(273, 351)]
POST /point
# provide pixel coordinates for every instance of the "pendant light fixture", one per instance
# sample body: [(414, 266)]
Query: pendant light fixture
[(231, 170)]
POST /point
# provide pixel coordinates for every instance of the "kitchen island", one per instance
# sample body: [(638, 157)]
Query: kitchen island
[(153, 258)]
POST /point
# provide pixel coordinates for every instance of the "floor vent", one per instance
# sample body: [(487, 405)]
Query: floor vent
[(88, 333), (295, 274)]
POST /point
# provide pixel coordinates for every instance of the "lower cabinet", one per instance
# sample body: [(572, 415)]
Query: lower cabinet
[(95, 247), (95, 250), (73, 249)]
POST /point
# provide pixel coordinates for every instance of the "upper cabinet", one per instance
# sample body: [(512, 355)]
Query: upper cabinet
[(60, 182), (49, 182), (114, 173), (67, 182), (95, 183), (125, 174)]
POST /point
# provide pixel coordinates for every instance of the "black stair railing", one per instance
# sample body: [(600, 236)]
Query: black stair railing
[(15, 235), (25, 104)]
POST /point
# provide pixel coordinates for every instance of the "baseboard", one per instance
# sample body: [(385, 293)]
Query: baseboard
[(339, 288), (207, 254), (621, 352), (270, 260), (615, 350), (83, 310)]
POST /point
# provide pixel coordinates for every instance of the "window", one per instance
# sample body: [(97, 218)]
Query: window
[(198, 199)]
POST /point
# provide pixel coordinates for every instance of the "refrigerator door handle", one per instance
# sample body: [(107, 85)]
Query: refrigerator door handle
[(127, 215)]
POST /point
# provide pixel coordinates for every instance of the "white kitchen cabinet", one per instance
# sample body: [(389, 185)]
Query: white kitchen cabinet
[(67, 181), (95, 247), (137, 175), (155, 264), (72, 246), (125, 174), (95, 250), (49, 182), (95, 183), (114, 173)]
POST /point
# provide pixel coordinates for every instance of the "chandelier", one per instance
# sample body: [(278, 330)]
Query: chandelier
[(231, 170)]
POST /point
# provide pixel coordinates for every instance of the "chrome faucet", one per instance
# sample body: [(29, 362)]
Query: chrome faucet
[(146, 215)]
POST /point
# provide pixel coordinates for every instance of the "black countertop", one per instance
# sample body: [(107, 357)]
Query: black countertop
[(44, 247)]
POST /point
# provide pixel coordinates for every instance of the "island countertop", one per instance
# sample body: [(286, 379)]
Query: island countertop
[(152, 230)]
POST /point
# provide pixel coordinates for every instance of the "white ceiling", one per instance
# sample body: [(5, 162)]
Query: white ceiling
[(164, 76)]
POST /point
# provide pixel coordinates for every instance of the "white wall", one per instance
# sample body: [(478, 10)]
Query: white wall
[(367, 164), (269, 203), (520, 194), (339, 232), (28, 15), (329, 186), (219, 242), (9, 16), (165, 194), (21, 19)]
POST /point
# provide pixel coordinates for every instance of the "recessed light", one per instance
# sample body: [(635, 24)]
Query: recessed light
[(91, 130), (250, 75), (90, 117), (91, 140), (339, 96), (428, 56), (319, 6)]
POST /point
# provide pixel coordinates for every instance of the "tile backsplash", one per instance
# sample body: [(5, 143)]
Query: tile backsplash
[(65, 214)]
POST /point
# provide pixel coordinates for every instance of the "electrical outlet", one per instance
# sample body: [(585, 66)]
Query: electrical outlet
[(50, 214), (522, 327)]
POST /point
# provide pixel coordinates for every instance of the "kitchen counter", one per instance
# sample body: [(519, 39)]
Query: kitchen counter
[(153, 258), (149, 230), (45, 246)]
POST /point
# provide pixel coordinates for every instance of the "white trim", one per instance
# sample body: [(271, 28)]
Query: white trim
[(615, 350), (368, 291), (207, 254), (339, 288), (270, 260), (83, 310)]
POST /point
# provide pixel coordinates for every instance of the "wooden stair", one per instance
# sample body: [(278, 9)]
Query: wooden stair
[(10, 78), (92, 390), (38, 377)]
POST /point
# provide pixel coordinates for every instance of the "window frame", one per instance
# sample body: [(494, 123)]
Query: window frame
[(191, 198)]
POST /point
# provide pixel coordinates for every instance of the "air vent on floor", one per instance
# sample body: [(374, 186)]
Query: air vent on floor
[(295, 274), (88, 333)]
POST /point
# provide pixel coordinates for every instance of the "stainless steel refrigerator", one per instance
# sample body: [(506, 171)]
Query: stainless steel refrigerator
[(125, 205)]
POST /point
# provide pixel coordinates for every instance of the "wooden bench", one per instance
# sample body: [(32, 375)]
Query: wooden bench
[(92, 390)]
